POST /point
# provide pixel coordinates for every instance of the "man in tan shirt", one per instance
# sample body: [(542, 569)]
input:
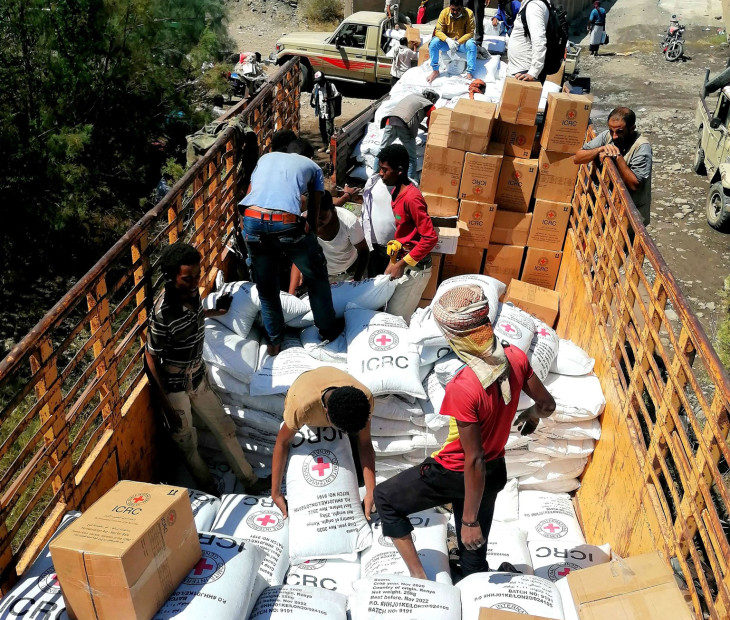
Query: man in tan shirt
[(326, 397)]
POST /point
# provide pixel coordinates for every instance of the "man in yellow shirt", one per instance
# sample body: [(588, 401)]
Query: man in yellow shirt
[(326, 397), (454, 32)]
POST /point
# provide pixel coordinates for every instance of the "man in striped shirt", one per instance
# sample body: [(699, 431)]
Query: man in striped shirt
[(175, 365)]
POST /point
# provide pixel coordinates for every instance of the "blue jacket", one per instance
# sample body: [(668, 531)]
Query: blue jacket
[(506, 19), (598, 16)]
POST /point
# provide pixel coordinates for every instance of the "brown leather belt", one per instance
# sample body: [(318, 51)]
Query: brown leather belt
[(271, 216)]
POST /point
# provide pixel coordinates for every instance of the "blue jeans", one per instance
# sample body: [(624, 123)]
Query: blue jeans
[(393, 133), (437, 46), (267, 243)]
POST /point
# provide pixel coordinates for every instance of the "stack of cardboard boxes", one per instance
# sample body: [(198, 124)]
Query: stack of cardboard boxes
[(499, 188)]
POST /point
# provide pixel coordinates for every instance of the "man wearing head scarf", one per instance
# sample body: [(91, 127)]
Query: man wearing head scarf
[(469, 469)]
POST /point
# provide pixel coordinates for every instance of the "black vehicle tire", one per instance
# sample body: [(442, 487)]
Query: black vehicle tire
[(305, 76), (699, 163), (718, 208)]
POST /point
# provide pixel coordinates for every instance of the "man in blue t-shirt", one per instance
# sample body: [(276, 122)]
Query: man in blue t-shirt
[(274, 229)]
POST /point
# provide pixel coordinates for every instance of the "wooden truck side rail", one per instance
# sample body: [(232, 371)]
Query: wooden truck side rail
[(75, 414), (658, 476)]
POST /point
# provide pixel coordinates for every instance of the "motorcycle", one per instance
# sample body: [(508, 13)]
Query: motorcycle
[(247, 75), (673, 43)]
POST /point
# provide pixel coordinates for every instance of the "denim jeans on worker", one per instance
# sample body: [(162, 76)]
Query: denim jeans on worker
[(393, 133), (470, 48), (267, 243)]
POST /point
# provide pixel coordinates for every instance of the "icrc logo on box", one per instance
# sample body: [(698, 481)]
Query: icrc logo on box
[(320, 468)]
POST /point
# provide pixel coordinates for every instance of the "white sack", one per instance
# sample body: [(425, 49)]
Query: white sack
[(507, 505), (429, 538), (329, 352), (279, 372), (404, 598), (447, 367), (270, 403), (555, 562), (294, 310), (204, 508), (254, 419), (576, 398), (220, 586), (381, 427), (429, 354), (543, 349), (225, 383), (380, 354), (581, 429), (325, 515), (569, 610), (550, 518), (299, 603), (371, 293), (334, 575), (432, 405), (244, 307), (394, 408), (554, 471), (508, 543), (222, 347), (223, 475), (562, 448), (515, 326), (572, 360), (257, 520), (392, 445), (38, 593), (522, 594), (562, 485)]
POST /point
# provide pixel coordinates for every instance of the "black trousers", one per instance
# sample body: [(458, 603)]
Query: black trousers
[(326, 130), (430, 484), (477, 6)]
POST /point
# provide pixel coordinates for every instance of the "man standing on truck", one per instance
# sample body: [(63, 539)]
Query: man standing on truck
[(630, 151), (174, 357), (324, 95), (410, 257), (274, 230), (404, 58), (327, 397), (469, 469), (527, 48), (402, 124), (454, 32)]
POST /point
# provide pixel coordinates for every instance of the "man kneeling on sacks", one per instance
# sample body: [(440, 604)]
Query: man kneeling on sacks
[(469, 469)]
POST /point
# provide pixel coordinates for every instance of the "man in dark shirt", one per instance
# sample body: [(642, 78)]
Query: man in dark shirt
[(175, 366)]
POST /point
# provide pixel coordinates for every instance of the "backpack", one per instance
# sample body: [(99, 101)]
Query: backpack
[(556, 35)]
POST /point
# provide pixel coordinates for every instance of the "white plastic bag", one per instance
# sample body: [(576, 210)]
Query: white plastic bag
[(561, 448), (394, 408), (224, 348), (508, 543), (204, 508), (371, 293), (550, 518), (543, 349), (515, 326), (380, 354), (404, 598), (507, 505), (555, 471), (294, 310), (332, 574), (221, 585), (392, 446), (432, 405), (279, 372), (572, 360), (522, 594), (576, 397), (325, 515), (447, 368), (254, 419), (555, 562), (328, 352), (580, 429), (299, 603), (244, 307)]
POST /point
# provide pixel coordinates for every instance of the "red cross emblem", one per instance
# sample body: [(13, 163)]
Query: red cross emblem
[(202, 565), (570, 114), (382, 341), (564, 572), (551, 214), (518, 175), (543, 332), (54, 580), (478, 215), (520, 140), (477, 190), (542, 261), (508, 328), (138, 499), (321, 467), (552, 527), (266, 520)]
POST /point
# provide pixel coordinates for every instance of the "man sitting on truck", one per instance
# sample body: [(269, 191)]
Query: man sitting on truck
[(469, 469), (174, 357), (330, 397), (454, 32), (402, 124), (630, 151), (415, 237)]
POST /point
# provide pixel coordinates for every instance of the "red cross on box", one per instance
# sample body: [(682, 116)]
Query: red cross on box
[(266, 520), (321, 466), (201, 566), (138, 499)]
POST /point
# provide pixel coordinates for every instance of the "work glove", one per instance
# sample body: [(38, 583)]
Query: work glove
[(453, 45)]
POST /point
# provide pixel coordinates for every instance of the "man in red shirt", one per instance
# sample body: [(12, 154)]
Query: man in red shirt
[(469, 469), (413, 229)]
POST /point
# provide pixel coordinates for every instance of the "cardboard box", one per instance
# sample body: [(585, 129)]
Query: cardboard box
[(448, 241), (486, 613), (480, 177), (445, 222), (423, 54), (466, 260), (126, 554), (558, 76), (519, 102), (471, 125), (566, 122), (442, 166), (475, 223), (549, 225), (517, 139), (504, 262), (538, 301), (511, 228), (642, 587), (441, 206), (438, 127), (516, 182), (557, 176), (433, 281), (541, 267), (413, 35)]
